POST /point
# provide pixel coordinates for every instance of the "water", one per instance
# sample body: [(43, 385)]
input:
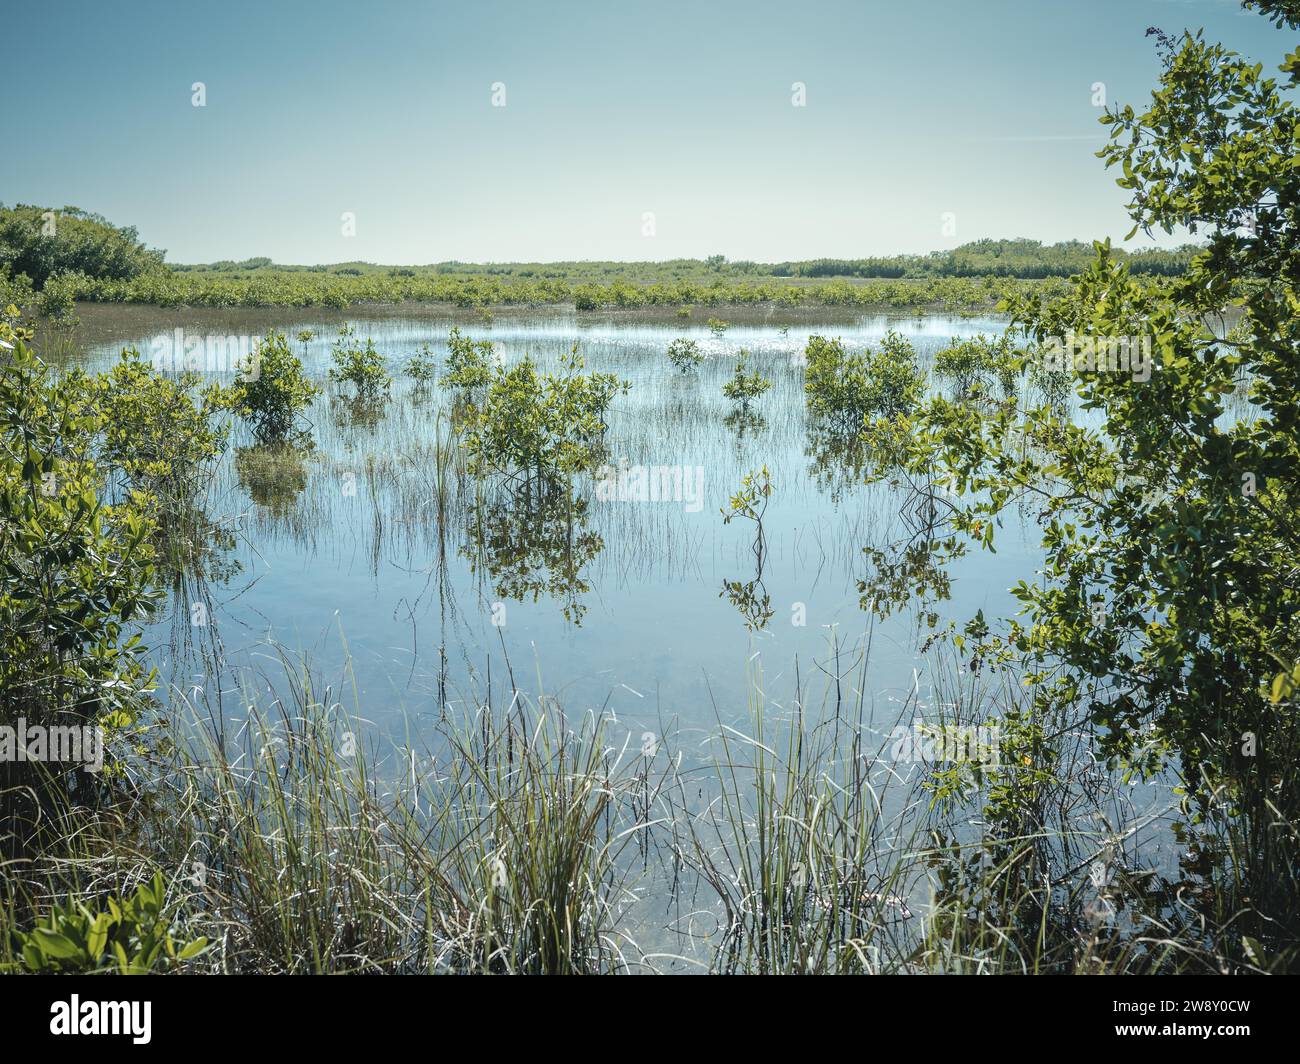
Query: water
[(344, 559), (341, 556)]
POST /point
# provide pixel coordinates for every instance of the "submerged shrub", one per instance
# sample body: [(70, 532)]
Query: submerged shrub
[(362, 366), (273, 392), (976, 362), (469, 362), (157, 430), (743, 388), (685, 354), (847, 390), (532, 425), (421, 367)]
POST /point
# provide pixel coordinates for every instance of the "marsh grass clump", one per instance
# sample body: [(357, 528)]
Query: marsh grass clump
[(534, 819), (799, 849), (499, 847)]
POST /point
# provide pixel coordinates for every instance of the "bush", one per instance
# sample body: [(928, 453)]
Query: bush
[(156, 430), (363, 367), (469, 362), (744, 388), (132, 936), (846, 391), (535, 426), (75, 570), (273, 391), (421, 367), (977, 361), (684, 354)]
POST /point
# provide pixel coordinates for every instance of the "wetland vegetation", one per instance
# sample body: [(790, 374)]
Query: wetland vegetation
[(691, 616)]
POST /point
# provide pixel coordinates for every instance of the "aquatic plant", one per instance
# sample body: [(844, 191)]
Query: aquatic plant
[(359, 365), (272, 392), (743, 388), (685, 354), (470, 362), (535, 427)]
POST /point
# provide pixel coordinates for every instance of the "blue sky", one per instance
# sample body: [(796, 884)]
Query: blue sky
[(981, 109)]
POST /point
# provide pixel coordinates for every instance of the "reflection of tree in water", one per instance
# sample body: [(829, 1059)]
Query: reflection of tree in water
[(837, 460), (914, 567), (357, 412), (274, 475), (533, 542), (750, 597), (194, 555), (745, 422)]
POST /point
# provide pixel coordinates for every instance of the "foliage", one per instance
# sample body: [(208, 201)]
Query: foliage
[(75, 571), (363, 367), (750, 502), (1168, 600), (131, 936), (743, 388), (684, 354), (976, 362), (307, 287), (469, 362), (421, 367), (156, 430), (845, 391), (79, 243), (535, 426), (272, 391)]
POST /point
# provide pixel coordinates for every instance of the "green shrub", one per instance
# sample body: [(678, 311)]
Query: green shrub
[(130, 936), (273, 391), (157, 430), (896, 384), (469, 362), (846, 391), (744, 388), (75, 570), (685, 354), (363, 367), (533, 425), (421, 367), (978, 361)]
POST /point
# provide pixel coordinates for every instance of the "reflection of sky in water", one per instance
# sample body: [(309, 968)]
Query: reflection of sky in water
[(658, 646), (656, 642)]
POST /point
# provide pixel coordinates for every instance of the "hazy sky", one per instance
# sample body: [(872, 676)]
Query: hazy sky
[(914, 109)]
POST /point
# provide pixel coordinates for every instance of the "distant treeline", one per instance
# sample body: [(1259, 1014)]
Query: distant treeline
[(981, 258), (50, 259), (993, 258)]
